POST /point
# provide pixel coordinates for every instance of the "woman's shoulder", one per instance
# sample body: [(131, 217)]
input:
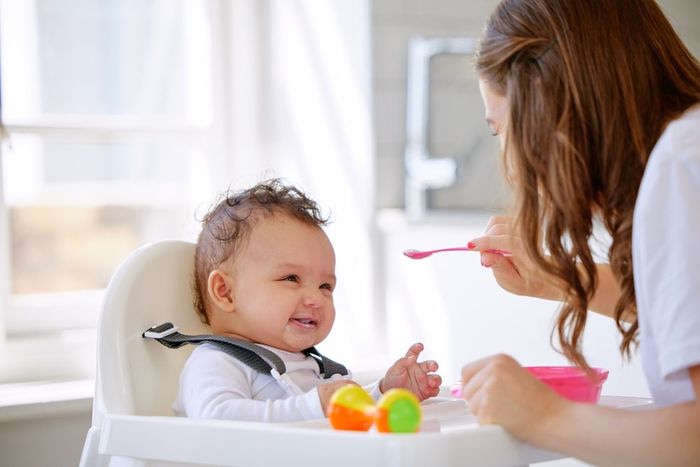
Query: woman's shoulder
[(672, 174), (686, 127), (680, 141)]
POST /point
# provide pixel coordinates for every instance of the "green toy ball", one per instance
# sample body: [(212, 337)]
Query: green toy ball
[(398, 411)]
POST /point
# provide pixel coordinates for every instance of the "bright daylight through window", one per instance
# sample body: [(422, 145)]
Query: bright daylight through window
[(108, 111)]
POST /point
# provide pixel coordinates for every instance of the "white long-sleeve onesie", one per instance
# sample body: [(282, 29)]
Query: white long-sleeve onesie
[(215, 385)]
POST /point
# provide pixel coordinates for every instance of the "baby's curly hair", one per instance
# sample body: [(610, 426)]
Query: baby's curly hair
[(226, 227)]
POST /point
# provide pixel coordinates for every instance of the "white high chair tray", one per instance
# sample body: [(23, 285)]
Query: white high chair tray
[(449, 435)]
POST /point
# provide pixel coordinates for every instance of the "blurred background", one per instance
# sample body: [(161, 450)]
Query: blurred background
[(126, 119)]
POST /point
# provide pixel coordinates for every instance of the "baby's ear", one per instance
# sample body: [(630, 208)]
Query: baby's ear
[(220, 290)]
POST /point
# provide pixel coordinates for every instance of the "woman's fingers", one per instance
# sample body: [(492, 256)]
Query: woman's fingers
[(485, 383), (501, 244), (497, 220), (504, 253), (497, 229), (470, 376), (489, 260)]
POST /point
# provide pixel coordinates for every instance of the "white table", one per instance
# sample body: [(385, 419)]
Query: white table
[(449, 436)]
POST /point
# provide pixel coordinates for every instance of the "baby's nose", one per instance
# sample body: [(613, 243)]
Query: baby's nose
[(314, 298)]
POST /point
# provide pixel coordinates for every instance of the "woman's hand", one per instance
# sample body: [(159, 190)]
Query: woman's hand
[(499, 391), (504, 253), (409, 373)]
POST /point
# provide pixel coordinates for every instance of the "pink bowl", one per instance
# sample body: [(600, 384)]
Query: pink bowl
[(571, 382)]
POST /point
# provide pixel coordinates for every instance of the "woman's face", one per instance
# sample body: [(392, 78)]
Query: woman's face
[(496, 107)]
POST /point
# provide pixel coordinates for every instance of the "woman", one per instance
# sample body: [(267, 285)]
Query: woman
[(596, 105)]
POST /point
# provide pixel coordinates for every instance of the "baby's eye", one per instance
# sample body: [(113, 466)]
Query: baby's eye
[(291, 278), (327, 286)]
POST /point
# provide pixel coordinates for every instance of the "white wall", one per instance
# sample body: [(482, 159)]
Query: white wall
[(456, 123), (457, 127), (48, 439)]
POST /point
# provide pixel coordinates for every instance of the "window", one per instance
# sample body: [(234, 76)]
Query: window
[(110, 120), (127, 117)]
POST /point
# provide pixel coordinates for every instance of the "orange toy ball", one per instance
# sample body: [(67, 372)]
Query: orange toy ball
[(398, 411), (351, 408)]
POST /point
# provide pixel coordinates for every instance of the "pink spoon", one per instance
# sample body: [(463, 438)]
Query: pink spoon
[(417, 254)]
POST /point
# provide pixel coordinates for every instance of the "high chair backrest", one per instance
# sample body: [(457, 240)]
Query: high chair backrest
[(137, 376)]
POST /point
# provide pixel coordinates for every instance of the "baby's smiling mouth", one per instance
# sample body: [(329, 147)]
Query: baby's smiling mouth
[(305, 322)]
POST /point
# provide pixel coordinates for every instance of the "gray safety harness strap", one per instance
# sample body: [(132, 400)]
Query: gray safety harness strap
[(327, 366), (254, 356)]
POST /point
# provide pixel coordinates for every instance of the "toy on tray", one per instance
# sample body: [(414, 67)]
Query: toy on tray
[(351, 408), (398, 411)]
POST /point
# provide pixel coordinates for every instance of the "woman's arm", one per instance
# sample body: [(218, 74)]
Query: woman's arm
[(607, 293), (605, 436), (605, 296), (515, 273), (499, 391)]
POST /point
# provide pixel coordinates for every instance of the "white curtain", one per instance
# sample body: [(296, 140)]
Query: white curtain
[(300, 108)]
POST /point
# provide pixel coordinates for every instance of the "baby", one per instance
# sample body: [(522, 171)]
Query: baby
[(265, 273)]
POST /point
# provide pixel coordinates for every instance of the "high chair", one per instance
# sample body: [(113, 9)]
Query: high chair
[(137, 380)]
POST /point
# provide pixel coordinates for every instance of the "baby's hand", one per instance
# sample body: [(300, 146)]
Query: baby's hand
[(407, 372), (326, 390)]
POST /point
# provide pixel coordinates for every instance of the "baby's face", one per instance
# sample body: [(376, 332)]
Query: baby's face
[(282, 281)]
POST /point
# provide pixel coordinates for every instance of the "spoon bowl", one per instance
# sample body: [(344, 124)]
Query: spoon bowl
[(417, 254)]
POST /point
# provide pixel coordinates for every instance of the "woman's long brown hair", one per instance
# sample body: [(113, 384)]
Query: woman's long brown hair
[(591, 85)]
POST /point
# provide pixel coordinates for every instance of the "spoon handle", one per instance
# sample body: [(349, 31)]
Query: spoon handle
[(457, 248)]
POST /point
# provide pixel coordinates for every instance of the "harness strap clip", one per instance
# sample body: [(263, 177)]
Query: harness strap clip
[(160, 331)]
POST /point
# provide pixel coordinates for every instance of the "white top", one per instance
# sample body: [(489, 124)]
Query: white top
[(666, 261), (215, 385)]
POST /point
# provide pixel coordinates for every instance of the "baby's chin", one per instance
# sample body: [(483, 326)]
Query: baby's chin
[(296, 343), (293, 348), (298, 336), (298, 347)]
